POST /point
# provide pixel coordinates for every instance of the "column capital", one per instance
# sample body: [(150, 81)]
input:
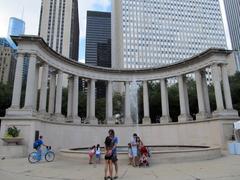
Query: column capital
[(33, 55), (20, 54)]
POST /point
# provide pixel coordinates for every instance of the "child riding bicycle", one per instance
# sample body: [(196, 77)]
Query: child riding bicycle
[(38, 144)]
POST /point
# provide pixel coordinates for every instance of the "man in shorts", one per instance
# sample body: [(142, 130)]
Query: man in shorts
[(111, 134)]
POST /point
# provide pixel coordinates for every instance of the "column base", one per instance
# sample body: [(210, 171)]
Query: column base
[(14, 111), (184, 118), (43, 115), (58, 117), (202, 116), (146, 120), (225, 113), (165, 119), (77, 119), (93, 120), (69, 119)]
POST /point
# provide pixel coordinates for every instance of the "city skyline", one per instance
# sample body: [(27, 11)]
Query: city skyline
[(31, 17), (21, 8)]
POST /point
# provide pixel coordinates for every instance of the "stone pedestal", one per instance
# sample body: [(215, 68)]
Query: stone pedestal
[(165, 119), (225, 113), (202, 116), (93, 121), (146, 120), (13, 151), (184, 118)]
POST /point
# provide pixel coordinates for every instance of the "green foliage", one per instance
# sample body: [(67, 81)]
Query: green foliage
[(5, 98), (173, 96), (100, 110), (118, 103), (12, 132), (235, 90)]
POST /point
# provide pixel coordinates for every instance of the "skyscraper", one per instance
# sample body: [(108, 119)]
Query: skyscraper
[(98, 43), (157, 32), (232, 9), (7, 61), (59, 26), (98, 39), (16, 27)]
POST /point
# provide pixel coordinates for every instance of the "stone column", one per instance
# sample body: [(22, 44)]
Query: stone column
[(70, 98), (226, 88), (43, 90), (52, 93), (17, 88), (109, 103), (92, 117), (183, 96), (217, 89), (29, 97), (165, 104), (146, 119), (58, 105), (76, 118), (36, 87), (88, 101), (206, 94), (201, 105), (227, 92), (128, 118)]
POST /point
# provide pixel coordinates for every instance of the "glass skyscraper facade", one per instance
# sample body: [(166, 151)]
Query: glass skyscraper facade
[(16, 27), (232, 9), (98, 39), (159, 32), (98, 44)]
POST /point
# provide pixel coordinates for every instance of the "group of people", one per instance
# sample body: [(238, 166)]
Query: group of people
[(110, 157), (95, 151), (138, 153)]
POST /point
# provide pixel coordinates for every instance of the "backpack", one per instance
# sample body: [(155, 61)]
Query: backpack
[(35, 145)]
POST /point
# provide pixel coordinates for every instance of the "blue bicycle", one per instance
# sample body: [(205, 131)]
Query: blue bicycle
[(36, 156)]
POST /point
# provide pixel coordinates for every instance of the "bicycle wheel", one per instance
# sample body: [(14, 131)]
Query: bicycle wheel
[(49, 156), (33, 157)]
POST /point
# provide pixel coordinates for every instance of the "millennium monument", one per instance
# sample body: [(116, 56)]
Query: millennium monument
[(212, 129)]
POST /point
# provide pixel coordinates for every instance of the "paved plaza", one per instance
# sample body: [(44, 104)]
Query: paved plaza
[(225, 168)]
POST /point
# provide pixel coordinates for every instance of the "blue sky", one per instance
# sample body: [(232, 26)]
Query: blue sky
[(29, 11)]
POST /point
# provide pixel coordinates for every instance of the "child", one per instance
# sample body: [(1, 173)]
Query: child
[(144, 156), (91, 153), (130, 154), (98, 153)]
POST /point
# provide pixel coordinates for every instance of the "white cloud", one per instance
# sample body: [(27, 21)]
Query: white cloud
[(89, 5)]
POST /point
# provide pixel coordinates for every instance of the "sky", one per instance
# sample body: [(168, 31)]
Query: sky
[(29, 11)]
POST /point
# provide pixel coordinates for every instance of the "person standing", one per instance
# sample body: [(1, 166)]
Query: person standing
[(108, 158), (134, 146), (111, 134)]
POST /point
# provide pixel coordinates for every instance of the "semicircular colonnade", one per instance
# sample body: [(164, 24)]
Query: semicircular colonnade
[(54, 66)]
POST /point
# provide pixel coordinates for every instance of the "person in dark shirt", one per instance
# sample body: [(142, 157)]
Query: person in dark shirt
[(111, 134)]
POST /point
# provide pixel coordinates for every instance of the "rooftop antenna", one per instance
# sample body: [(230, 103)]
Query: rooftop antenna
[(22, 13)]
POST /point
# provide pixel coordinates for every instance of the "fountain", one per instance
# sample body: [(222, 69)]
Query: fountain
[(133, 92)]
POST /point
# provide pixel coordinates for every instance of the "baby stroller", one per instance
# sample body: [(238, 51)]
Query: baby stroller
[(144, 157)]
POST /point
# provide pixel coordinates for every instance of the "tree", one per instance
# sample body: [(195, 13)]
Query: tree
[(5, 98)]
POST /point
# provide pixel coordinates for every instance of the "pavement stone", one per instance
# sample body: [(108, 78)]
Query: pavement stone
[(63, 168)]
